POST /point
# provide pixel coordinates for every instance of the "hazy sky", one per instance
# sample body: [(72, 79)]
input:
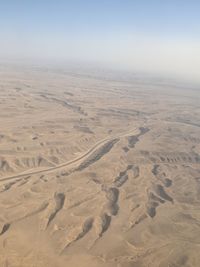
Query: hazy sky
[(160, 36)]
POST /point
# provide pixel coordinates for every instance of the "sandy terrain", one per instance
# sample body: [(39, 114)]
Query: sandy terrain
[(98, 171)]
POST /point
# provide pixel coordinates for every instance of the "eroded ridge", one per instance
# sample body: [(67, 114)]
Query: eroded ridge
[(98, 154), (59, 203), (158, 195), (98, 170)]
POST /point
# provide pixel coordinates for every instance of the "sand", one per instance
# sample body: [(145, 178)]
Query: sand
[(98, 170)]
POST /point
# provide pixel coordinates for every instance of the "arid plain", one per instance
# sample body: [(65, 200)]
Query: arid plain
[(98, 170)]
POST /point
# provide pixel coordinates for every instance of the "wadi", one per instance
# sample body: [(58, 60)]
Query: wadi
[(98, 170)]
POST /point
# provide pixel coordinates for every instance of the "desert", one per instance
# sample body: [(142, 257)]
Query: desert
[(98, 170)]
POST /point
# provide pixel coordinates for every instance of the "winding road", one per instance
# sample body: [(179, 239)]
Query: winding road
[(73, 161)]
